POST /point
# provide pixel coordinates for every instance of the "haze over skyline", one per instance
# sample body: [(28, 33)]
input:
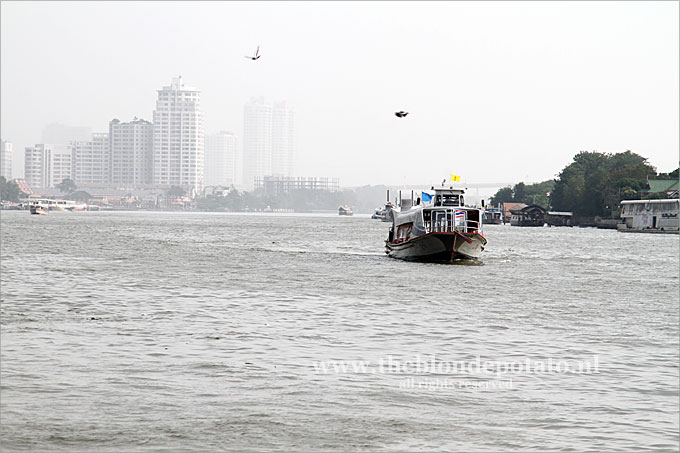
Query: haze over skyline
[(496, 91)]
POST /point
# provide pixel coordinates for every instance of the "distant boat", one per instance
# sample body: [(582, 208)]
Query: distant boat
[(493, 216), (345, 210), (38, 209), (442, 230), (383, 213)]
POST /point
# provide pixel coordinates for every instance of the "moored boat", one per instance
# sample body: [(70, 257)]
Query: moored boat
[(443, 230)]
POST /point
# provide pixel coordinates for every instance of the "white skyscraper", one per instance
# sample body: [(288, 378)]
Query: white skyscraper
[(37, 168), (268, 140), (257, 141), (47, 165), (6, 160), (178, 136), (131, 152), (90, 160), (283, 140), (220, 159)]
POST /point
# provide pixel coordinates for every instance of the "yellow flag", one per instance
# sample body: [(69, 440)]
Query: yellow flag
[(455, 178)]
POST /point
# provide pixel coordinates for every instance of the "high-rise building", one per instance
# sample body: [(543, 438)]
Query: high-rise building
[(47, 165), (268, 140), (257, 141), (283, 140), (6, 160), (61, 165), (90, 160), (178, 137), (220, 159), (37, 170), (131, 154)]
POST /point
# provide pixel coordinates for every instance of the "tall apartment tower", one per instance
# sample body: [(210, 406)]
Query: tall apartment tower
[(178, 137), (257, 141), (220, 159), (268, 140), (6, 160), (37, 168), (283, 140), (90, 160), (47, 165), (131, 157)]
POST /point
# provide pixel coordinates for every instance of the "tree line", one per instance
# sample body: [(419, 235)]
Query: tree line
[(592, 185)]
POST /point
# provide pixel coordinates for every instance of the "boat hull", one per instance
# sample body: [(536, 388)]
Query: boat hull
[(438, 247)]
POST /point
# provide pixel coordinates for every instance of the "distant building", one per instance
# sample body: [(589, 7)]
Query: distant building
[(671, 187), (650, 216), (220, 159), (131, 152), (523, 215), (282, 184), (60, 134), (46, 165), (283, 140), (6, 160), (90, 160), (178, 137), (269, 145), (61, 165)]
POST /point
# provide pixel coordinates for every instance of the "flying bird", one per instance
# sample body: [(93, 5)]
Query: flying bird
[(401, 114), (256, 56)]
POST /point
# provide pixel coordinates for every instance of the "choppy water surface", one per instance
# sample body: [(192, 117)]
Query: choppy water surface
[(195, 331)]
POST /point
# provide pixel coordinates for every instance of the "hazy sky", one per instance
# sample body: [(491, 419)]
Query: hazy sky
[(498, 91)]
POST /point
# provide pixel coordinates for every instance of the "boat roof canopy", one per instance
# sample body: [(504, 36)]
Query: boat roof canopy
[(447, 191)]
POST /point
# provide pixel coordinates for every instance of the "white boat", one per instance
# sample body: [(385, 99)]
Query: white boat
[(38, 209), (442, 230)]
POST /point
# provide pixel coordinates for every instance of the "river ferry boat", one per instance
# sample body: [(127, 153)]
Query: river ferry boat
[(38, 209), (345, 210), (441, 230)]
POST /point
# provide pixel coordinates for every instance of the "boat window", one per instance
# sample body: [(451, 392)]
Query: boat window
[(449, 200)]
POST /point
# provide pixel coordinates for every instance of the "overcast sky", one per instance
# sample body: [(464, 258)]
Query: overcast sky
[(498, 92)]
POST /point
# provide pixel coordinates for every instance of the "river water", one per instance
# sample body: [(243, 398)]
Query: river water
[(202, 332)]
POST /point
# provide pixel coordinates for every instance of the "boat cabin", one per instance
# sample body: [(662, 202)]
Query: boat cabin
[(445, 213)]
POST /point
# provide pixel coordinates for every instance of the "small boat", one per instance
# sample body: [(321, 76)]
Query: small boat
[(441, 231), (37, 209), (345, 210), (493, 216)]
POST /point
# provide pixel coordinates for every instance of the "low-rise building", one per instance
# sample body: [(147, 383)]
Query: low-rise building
[(650, 216)]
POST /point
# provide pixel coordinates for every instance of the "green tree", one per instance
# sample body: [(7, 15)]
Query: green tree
[(503, 195), (9, 190), (67, 185), (595, 183)]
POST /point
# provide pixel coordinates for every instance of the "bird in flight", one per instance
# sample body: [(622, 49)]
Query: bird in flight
[(256, 56), (401, 114)]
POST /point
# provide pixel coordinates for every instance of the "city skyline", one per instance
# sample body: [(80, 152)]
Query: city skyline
[(520, 86)]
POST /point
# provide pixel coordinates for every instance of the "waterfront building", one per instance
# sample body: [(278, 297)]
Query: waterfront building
[(282, 184), (90, 160), (268, 140), (178, 137), (46, 165), (220, 159), (650, 216), (131, 152), (6, 160)]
